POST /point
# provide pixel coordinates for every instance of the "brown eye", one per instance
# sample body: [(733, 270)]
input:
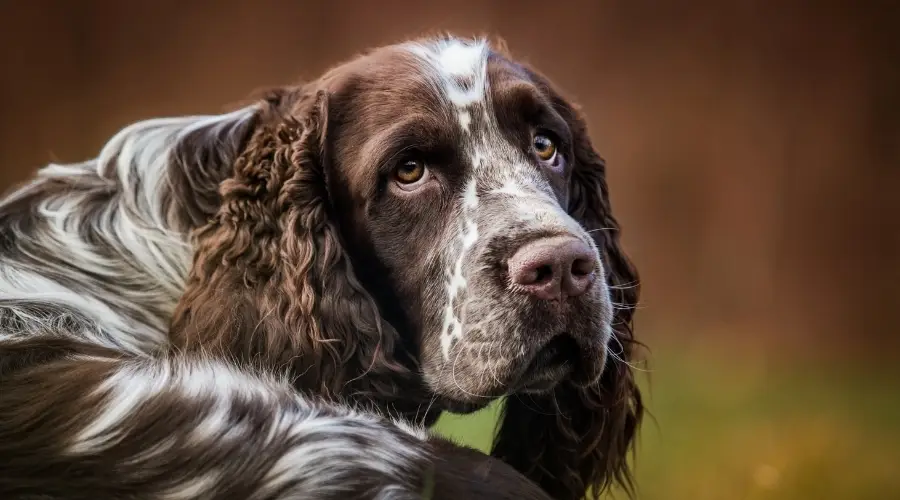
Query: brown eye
[(544, 147), (409, 172)]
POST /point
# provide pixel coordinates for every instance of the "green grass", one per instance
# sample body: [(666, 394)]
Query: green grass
[(727, 430)]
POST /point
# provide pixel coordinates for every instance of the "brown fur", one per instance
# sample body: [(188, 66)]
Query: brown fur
[(271, 283)]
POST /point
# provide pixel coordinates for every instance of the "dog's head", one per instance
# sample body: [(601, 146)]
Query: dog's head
[(429, 223)]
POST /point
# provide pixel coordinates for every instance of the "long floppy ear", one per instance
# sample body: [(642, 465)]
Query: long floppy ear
[(271, 283), (575, 441)]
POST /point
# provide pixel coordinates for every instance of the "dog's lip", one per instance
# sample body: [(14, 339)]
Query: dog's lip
[(556, 360), (560, 349), (546, 379)]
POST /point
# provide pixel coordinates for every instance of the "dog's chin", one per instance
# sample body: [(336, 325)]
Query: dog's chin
[(562, 359)]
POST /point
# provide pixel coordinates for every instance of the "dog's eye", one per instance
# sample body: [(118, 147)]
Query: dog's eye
[(544, 147), (409, 172)]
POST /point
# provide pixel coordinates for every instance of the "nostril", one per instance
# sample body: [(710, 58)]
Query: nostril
[(580, 277), (582, 267), (543, 274)]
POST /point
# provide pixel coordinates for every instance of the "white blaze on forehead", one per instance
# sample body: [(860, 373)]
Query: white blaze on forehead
[(460, 58), (460, 67)]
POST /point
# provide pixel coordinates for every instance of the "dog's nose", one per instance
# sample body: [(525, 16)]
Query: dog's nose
[(553, 268)]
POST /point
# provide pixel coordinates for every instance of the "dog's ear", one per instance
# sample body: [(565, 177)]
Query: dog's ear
[(271, 283), (203, 154), (575, 441)]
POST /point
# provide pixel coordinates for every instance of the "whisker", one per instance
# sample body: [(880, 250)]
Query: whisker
[(456, 382), (616, 356), (614, 338), (624, 286), (492, 366), (627, 307), (427, 408), (527, 406)]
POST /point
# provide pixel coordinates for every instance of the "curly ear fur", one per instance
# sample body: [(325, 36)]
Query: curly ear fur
[(271, 283), (577, 438)]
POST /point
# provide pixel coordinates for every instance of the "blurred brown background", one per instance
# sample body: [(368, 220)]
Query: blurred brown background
[(753, 151)]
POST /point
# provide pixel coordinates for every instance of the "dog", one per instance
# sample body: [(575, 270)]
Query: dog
[(275, 302)]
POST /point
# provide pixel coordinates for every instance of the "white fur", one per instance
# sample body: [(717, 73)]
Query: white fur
[(195, 487), (460, 66), (465, 119), (141, 379), (120, 262), (122, 392), (452, 328), (307, 460), (324, 440)]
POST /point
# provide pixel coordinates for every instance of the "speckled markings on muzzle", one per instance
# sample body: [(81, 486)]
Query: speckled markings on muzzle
[(503, 191)]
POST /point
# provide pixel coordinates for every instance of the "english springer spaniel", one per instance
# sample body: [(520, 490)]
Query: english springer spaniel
[(276, 302)]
